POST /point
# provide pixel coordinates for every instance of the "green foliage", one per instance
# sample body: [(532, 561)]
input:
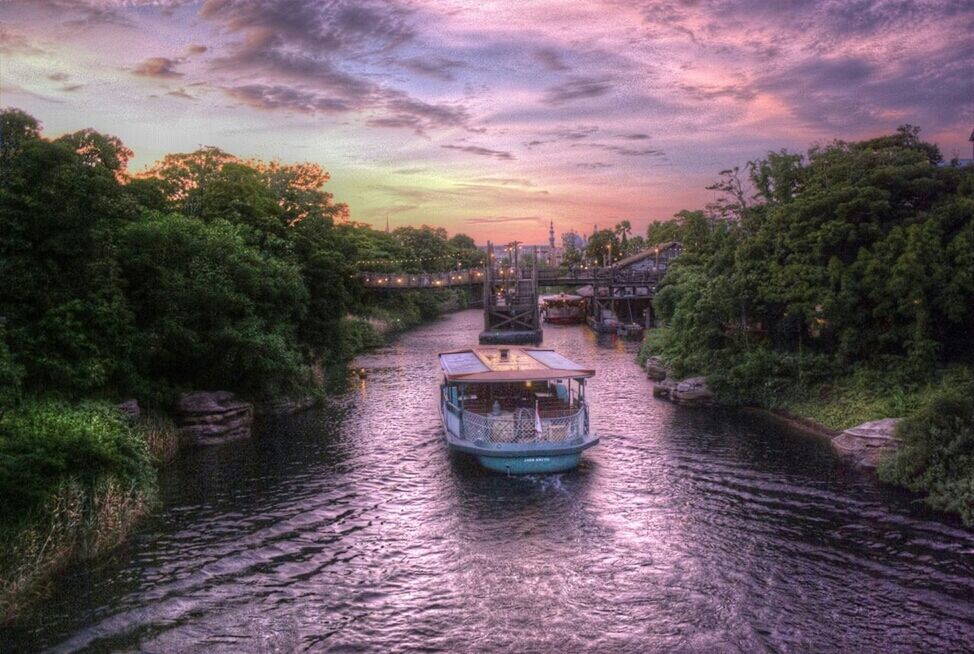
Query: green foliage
[(11, 377), (211, 311), (358, 335), (936, 457), (841, 290), (42, 443), (858, 254), (66, 317), (604, 246), (206, 272), (652, 344)]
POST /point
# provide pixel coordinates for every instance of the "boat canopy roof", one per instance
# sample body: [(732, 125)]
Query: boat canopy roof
[(564, 297), (506, 364)]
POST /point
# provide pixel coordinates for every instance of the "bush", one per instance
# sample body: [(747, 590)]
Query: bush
[(74, 479), (652, 344), (11, 376), (43, 443), (768, 378), (936, 456), (212, 311), (357, 335)]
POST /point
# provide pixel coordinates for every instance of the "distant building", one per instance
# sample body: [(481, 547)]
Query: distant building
[(573, 239)]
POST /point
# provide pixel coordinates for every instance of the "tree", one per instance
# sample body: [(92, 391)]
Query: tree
[(733, 200), (467, 253), (462, 242), (427, 248), (211, 310), (99, 150), (68, 322), (16, 130), (662, 232), (603, 247)]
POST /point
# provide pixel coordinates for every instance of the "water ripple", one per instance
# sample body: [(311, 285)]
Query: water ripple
[(354, 529)]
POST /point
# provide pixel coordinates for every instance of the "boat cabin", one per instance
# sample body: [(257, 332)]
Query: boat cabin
[(497, 381), (518, 409)]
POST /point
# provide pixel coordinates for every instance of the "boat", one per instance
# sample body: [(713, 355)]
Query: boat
[(631, 330), (518, 410), (563, 309)]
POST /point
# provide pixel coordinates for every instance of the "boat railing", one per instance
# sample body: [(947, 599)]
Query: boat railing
[(519, 427)]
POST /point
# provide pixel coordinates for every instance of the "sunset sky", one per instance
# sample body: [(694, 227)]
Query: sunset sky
[(492, 118)]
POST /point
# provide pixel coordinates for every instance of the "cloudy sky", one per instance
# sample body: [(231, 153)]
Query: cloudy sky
[(492, 117)]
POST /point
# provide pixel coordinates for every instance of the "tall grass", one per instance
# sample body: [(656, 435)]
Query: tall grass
[(74, 479), (161, 436), (860, 397)]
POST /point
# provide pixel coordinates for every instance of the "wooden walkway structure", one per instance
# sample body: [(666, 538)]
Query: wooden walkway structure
[(511, 311), (476, 277), (620, 294)]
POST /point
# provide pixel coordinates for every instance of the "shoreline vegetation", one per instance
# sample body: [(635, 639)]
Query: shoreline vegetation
[(206, 272), (836, 288)]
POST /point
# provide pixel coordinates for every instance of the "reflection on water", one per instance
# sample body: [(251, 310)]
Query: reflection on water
[(354, 528)]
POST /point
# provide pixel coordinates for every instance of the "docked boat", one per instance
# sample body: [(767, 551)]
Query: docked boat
[(518, 410), (563, 309)]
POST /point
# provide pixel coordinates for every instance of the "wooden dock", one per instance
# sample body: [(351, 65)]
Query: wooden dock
[(511, 312)]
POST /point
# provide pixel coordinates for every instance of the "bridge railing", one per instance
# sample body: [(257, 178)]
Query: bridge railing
[(470, 276), (423, 280), (519, 427)]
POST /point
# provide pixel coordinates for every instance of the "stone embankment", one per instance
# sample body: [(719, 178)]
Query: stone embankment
[(691, 391), (130, 409), (868, 443), (213, 417)]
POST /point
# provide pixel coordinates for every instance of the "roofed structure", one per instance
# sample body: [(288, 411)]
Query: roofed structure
[(502, 364), (664, 252)]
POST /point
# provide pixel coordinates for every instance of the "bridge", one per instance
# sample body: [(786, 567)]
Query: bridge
[(476, 276), (620, 296)]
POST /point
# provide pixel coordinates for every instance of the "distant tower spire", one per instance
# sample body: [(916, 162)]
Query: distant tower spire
[(387, 223), (551, 234)]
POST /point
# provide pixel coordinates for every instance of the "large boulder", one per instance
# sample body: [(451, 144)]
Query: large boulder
[(655, 369), (868, 443), (213, 417), (130, 409), (692, 391), (664, 389)]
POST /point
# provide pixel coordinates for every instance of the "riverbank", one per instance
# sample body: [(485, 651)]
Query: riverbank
[(77, 477), (355, 525), (75, 480), (919, 436)]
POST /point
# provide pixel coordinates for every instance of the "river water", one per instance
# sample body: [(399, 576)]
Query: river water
[(354, 529)]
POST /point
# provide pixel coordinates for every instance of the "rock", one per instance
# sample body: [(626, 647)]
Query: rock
[(692, 391), (284, 406), (866, 444), (130, 409), (655, 369), (213, 417), (664, 389)]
